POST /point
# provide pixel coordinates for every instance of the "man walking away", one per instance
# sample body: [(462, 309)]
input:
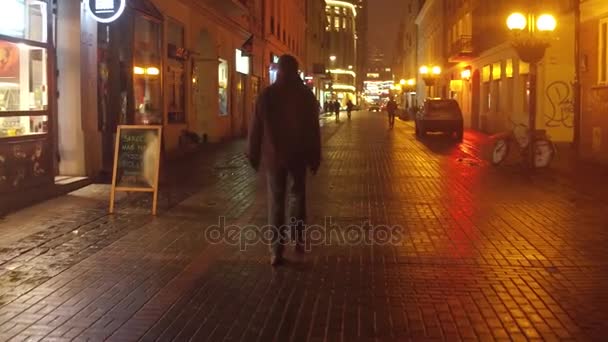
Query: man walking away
[(391, 108), (285, 133), (337, 110), (349, 108)]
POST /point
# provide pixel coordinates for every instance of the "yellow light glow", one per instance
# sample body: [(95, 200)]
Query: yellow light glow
[(342, 4), (517, 21), (398, 87), (411, 82), (546, 23), (465, 74), (403, 82), (350, 67), (456, 85), (138, 71), (332, 58), (152, 71), (344, 87), (343, 72), (424, 70), (436, 70)]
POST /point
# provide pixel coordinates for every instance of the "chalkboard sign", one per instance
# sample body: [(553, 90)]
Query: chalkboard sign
[(137, 161)]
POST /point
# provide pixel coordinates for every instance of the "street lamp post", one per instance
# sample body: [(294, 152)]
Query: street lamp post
[(430, 76), (531, 36)]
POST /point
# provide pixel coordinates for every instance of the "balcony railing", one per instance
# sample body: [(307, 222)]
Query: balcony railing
[(462, 49)]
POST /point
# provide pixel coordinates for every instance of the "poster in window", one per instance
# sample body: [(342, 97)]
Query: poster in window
[(223, 87), (9, 61)]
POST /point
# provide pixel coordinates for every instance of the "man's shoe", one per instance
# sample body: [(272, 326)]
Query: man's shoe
[(276, 260)]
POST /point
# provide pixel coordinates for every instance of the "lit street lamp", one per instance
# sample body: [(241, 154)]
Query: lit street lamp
[(531, 36), (430, 76)]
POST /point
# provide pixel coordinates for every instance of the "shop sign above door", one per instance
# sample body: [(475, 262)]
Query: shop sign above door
[(105, 11)]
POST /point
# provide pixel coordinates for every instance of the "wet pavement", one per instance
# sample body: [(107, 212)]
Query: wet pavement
[(413, 240)]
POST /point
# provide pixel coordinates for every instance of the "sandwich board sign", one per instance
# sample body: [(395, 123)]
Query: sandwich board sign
[(136, 161)]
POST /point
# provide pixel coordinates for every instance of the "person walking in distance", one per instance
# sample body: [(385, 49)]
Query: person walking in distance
[(285, 134), (349, 108), (337, 110), (391, 108)]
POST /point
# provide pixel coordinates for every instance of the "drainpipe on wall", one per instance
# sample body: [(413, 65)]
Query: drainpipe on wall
[(577, 79)]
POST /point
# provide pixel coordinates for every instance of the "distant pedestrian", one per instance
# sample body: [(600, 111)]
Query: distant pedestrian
[(326, 107), (349, 108), (285, 133), (337, 110), (391, 108)]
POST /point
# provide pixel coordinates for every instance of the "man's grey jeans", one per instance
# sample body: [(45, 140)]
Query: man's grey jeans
[(286, 185)]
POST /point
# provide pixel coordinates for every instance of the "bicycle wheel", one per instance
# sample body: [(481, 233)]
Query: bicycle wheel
[(544, 151), (500, 151)]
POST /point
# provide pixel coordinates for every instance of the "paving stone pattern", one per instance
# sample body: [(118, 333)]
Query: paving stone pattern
[(479, 253)]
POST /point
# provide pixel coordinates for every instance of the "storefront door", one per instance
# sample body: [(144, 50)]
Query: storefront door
[(130, 82)]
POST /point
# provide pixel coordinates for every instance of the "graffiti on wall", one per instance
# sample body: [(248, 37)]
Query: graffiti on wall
[(561, 112)]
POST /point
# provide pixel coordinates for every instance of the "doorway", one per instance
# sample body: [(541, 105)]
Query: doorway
[(129, 77)]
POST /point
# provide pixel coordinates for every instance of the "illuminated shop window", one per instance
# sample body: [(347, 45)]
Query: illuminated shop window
[(147, 67), (23, 69)]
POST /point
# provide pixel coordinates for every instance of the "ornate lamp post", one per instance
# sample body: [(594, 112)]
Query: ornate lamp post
[(430, 75), (531, 36)]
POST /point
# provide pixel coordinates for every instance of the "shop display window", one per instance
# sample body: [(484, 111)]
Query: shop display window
[(23, 90), (147, 72), (223, 87), (24, 19), (16, 126)]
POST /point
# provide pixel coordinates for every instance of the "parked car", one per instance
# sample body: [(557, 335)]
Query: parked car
[(440, 115), (374, 107)]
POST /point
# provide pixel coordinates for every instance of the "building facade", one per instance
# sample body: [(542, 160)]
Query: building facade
[(431, 46), (405, 64), (594, 79), (316, 47), (471, 44), (194, 67), (362, 40), (284, 32), (341, 33)]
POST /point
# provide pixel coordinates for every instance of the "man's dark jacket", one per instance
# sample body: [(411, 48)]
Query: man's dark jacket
[(284, 129)]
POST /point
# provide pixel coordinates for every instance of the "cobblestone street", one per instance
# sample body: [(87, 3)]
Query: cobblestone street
[(483, 253)]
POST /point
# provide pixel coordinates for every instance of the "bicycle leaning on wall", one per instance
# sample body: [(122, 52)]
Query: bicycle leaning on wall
[(544, 149)]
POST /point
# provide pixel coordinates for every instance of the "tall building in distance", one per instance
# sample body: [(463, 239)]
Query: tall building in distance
[(362, 40), (316, 47), (341, 31), (378, 78)]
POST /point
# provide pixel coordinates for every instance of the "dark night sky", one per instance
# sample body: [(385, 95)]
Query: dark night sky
[(384, 17)]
